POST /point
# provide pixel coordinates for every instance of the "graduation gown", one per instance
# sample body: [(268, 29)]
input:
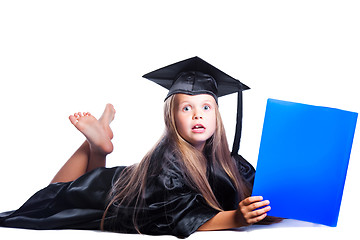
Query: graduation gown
[(172, 206)]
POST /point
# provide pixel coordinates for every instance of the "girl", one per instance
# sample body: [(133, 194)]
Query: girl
[(189, 181)]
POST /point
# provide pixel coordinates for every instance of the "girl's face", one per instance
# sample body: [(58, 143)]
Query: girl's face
[(195, 118)]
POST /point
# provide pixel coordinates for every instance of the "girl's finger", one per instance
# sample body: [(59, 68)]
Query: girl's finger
[(258, 218), (257, 205), (259, 212), (250, 200)]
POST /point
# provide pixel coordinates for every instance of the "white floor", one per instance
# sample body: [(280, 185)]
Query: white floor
[(288, 229)]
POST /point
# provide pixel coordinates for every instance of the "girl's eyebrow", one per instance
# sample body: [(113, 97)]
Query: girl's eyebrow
[(184, 103), (208, 102), (192, 103)]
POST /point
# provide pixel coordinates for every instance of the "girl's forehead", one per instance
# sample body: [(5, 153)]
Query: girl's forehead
[(181, 97)]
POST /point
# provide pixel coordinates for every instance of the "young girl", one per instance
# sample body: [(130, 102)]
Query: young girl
[(189, 181)]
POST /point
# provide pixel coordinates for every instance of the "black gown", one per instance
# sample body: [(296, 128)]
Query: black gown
[(172, 206)]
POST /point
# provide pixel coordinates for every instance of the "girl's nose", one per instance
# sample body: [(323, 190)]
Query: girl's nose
[(197, 117)]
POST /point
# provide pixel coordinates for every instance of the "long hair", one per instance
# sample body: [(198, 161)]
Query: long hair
[(130, 188)]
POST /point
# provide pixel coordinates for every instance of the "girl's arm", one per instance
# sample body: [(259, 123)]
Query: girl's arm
[(246, 214)]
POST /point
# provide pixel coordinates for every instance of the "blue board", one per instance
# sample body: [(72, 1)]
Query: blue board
[(303, 159)]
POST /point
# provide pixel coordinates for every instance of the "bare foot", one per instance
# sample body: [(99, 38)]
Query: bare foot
[(106, 118), (96, 134)]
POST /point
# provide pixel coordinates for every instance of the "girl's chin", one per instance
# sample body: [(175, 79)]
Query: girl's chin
[(198, 143)]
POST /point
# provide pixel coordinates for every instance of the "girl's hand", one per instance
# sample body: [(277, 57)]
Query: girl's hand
[(248, 212)]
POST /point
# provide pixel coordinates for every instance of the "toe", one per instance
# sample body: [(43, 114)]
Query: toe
[(73, 119)]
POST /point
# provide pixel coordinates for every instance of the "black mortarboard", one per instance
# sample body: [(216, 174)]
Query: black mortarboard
[(195, 76)]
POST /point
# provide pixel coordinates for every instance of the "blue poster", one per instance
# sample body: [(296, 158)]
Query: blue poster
[(303, 159)]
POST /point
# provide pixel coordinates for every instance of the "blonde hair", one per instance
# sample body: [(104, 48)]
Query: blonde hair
[(131, 186)]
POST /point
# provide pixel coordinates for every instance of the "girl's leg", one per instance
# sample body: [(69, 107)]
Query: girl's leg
[(92, 153), (98, 151), (75, 166)]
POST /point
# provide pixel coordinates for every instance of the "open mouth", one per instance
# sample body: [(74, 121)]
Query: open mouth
[(198, 128)]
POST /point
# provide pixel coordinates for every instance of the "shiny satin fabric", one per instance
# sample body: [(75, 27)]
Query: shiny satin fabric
[(172, 207), (73, 205)]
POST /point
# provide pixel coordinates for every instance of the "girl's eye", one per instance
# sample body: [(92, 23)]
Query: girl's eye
[(187, 108), (206, 107)]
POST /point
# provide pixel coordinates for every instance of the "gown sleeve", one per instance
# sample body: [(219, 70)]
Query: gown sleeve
[(78, 204), (171, 207)]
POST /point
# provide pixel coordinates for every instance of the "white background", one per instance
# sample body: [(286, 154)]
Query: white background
[(60, 57)]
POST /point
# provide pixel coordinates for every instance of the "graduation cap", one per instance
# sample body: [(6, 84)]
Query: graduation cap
[(194, 76)]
